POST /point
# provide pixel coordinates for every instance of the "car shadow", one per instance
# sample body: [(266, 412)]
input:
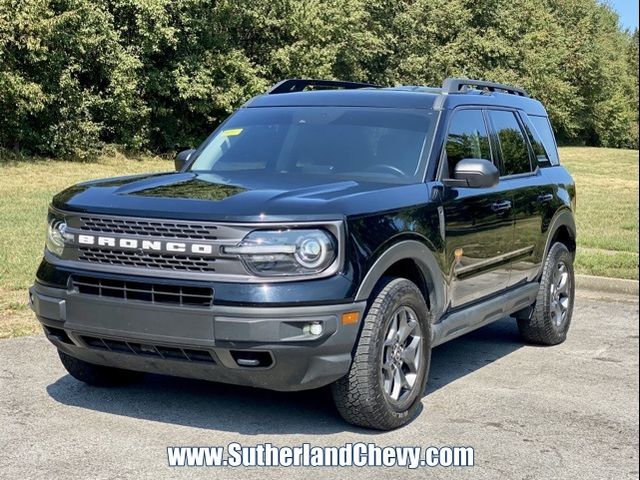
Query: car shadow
[(472, 351), (251, 411)]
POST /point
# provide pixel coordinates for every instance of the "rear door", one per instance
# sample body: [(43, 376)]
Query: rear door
[(478, 222), (519, 173)]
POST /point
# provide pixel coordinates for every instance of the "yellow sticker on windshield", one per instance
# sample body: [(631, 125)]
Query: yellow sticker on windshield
[(232, 132)]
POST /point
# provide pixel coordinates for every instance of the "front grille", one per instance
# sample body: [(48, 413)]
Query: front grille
[(146, 292), (166, 248), (198, 256), (151, 228), (148, 350), (164, 261)]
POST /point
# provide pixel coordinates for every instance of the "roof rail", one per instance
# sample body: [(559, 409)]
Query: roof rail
[(459, 85), (297, 85)]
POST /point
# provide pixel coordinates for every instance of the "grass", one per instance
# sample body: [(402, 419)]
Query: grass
[(26, 188), (607, 209), (607, 216)]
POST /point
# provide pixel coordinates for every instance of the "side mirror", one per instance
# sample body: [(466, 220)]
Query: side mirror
[(476, 173), (182, 158)]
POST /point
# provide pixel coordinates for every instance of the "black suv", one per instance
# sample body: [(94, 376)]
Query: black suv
[(326, 233)]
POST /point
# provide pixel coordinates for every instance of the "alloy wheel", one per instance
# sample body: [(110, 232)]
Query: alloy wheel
[(401, 355), (560, 294)]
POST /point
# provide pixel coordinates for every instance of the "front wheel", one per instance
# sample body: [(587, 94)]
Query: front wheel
[(386, 381), (549, 320)]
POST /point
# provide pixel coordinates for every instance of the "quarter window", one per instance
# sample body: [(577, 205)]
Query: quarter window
[(513, 144), (467, 138), (535, 141), (543, 127)]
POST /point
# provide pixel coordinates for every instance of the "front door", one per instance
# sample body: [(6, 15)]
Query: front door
[(478, 221)]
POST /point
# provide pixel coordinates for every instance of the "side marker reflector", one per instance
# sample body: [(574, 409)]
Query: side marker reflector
[(350, 318)]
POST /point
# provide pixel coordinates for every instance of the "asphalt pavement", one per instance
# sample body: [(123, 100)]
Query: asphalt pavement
[(569, 411)]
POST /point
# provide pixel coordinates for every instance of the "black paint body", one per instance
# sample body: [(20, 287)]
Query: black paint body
[(499, 249)]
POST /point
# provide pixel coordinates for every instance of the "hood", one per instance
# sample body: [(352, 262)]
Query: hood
[(237, 196)]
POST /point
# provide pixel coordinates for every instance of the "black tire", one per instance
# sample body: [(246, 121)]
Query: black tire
[(543, 325), (97, 375), (360, 396)]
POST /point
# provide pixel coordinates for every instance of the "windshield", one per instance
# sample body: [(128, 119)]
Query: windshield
[(374, 144)]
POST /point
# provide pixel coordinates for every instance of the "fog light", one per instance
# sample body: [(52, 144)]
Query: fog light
[(314, 328)]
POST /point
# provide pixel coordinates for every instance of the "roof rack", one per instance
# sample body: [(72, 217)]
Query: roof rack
[(298, 85), (460, 85)]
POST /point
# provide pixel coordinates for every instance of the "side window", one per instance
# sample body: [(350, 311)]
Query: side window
[(513, 144), (535, 141), (543, 127), (467, 138)]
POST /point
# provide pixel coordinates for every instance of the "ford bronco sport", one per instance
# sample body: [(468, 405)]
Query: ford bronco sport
[(326, 233)]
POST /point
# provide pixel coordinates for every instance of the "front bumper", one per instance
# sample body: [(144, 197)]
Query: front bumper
[(256, 346)]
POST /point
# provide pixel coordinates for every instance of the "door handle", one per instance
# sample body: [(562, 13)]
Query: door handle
[(547, 197), (501, 207)]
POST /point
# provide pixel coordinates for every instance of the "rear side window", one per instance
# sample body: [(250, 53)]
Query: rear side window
[(543, 128), (467, 138), (536, 142), (514, 150)]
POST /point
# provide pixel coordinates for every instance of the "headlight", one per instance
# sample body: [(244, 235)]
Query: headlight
[(286, 252), (57, 235)]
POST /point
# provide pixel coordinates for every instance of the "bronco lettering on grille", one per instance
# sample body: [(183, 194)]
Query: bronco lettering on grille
[(146, 245)]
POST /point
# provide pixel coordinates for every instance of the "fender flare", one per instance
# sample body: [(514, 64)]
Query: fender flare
[(562, 218), (426, 262)]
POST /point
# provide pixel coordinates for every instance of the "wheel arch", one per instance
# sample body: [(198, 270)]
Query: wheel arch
[(562, 228), (414, 261)]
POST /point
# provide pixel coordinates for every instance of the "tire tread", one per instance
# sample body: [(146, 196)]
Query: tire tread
[(357, 396), (539, 328)]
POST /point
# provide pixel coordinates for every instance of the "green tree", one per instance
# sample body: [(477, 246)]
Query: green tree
[(74, 82), (632, 55), (161, 74), (596, 64)]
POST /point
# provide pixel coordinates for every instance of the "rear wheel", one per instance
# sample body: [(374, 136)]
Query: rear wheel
[(386, 381), (97, 375), (550, 317)]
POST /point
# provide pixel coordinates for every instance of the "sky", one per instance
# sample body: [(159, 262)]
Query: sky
[(628, 11)]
